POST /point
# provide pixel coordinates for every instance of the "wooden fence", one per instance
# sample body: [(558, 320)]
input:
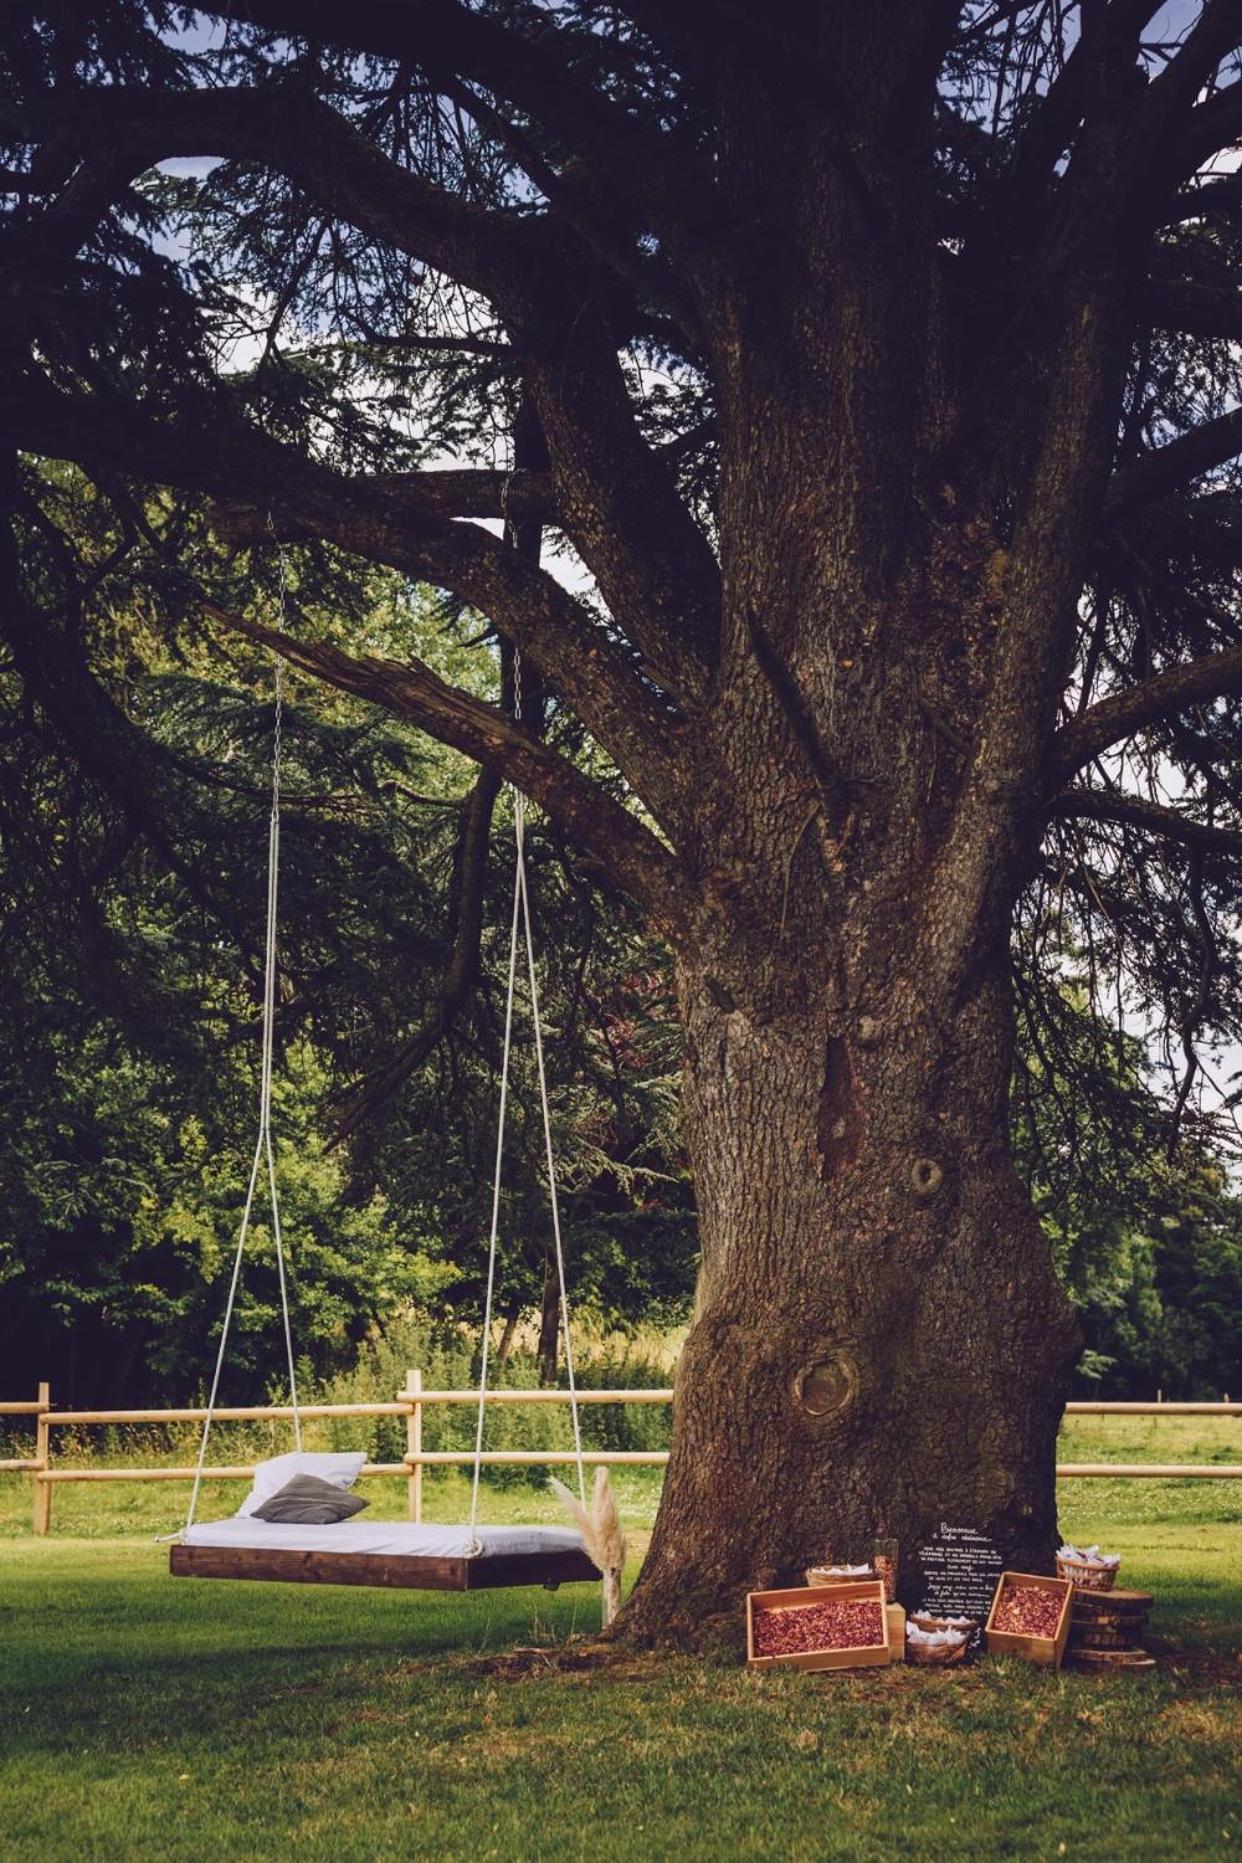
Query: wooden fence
[(412, 1401)]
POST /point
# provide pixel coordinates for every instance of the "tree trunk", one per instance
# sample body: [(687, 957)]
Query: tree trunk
[(879, 1345), (879, 1342), (549, 1323), (509, 1332)]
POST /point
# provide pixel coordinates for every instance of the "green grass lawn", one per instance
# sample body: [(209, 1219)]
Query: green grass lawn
[(142, 1716)]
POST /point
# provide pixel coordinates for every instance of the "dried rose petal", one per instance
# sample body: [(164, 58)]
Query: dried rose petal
[(1026, 1611), (796, 1630), (886, 1568)]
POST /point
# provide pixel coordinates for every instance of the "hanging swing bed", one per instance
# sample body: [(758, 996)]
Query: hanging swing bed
[(350, 1551)]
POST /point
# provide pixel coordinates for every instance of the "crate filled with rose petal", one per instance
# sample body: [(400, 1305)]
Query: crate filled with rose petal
[(819, 1627), (1030, 1616)]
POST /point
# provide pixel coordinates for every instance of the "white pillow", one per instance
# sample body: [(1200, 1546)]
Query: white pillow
[(270, 1477)]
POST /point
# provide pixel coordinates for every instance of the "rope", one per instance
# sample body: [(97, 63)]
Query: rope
[(263, 1151), (552, 1196), (521, 921), (495, 1225)]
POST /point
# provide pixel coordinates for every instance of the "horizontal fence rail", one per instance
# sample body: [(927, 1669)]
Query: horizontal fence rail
[(412, 1401)]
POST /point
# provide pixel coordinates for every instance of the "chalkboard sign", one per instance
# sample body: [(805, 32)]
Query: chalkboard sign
[(960, 1567)]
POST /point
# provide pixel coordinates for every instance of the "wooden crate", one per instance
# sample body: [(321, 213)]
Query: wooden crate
[(1046, 1650), (863, 1591)]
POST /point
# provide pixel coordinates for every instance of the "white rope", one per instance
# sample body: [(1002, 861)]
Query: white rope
[(547, 1147), (263, 1151), (475, 1547), (521, 920)]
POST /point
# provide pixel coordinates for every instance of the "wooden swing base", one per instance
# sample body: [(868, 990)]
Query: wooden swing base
[(408, 1571)]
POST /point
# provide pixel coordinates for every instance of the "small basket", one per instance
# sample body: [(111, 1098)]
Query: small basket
[(938, 1655), (820, 1575), (1086, 1575), (923, 1620)]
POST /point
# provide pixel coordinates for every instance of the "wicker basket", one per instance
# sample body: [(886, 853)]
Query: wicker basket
[(925, 1621), (1085, 1575), (937, 1655), (820, 1575)]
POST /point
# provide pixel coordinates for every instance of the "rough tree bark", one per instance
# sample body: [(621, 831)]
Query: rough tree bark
[(879, 1341)]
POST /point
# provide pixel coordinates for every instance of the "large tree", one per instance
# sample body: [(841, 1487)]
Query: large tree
[(871, 368)]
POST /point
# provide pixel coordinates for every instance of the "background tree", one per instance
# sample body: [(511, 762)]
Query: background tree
[(876, 377), (131, 991)]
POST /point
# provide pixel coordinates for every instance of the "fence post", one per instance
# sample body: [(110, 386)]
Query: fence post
[(414, 1444), (43, 1443)]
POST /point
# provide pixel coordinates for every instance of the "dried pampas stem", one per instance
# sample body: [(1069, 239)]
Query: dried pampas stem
[(600, 1527)]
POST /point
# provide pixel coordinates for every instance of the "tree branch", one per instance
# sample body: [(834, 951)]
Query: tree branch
[(1166, 469), (1136, 812), (617, 501), (409, 689), (448, 491), (1211, 127), (1216, 33), (461, 974), (223, 458), (1195, 309), (1056, 117), (1222, 194), (497, 253), (1216, 676), (530, 72)]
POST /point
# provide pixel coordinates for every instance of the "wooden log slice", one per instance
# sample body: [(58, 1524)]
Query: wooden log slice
[(1129, 1615), (1102, 1640), (1108, 1619), (1115, 1600), (1113, 1659)]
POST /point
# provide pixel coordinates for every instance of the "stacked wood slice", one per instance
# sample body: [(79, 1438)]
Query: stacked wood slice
[(1107, 1630)]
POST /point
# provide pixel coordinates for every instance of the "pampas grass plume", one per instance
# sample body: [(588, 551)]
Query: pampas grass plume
[(602, 1536)]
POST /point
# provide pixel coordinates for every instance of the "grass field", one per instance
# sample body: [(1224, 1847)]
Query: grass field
[(139, 1716)]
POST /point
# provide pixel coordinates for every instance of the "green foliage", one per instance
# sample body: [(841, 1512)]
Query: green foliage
[(133, 922), (449, 1361), (122, 1216), (1147, 1237)]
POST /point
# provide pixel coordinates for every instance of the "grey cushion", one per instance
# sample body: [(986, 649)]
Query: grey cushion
[(308, 1502)]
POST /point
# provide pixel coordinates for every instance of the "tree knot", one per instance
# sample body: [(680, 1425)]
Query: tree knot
[(926, 1177)]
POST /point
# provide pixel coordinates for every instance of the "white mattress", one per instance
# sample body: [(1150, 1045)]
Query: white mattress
[(383, 1536)]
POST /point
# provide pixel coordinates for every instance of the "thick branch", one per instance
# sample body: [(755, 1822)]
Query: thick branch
[(450, 492), (227, 460), (499, 254), (1216, 676), (617, 502), (1220, 195), (1054, 121), (1167, 111), (530, 72), (1213, 126), (587, 812), (1098, 805), (1167, 468), (1195, 310)]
